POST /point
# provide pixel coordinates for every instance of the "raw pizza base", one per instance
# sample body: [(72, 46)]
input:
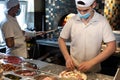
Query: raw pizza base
[(73, 75), (45, 77)]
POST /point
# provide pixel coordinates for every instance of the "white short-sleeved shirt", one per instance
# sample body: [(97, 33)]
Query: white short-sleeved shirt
[(86, 39), (11, 28)]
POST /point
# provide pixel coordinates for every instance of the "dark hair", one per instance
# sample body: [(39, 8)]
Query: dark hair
[(81, 2)]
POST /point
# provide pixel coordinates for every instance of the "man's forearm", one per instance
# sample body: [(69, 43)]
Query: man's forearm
[(108, 51), (63, 48)]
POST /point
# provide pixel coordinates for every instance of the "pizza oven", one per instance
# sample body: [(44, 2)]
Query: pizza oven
[(64, 19), (54, 33)]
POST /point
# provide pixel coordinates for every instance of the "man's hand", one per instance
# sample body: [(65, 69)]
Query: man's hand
[(85, 66), (70, 64)]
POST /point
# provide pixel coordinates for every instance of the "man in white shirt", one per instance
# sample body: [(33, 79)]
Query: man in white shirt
[(86, 30), (14, 36)]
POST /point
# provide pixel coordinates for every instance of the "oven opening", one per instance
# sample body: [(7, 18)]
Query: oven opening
[(64, 19)]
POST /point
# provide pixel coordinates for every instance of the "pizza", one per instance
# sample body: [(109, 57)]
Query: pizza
[(73, 75), (45, 77)]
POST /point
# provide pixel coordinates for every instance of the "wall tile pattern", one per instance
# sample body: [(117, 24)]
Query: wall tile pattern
[(112, 12), (56, 9)]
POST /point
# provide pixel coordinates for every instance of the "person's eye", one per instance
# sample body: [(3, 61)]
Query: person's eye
[(85, 10)]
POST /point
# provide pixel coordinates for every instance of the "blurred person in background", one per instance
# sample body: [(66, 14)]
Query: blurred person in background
[(86, 30), (14, 36)]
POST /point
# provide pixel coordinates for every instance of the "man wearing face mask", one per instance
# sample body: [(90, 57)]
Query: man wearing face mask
[(86, 30), (14, 36)]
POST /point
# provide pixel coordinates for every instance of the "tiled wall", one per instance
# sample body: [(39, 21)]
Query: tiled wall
[(55, 9), (112, 12)]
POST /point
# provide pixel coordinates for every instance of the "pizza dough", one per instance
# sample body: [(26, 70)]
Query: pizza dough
[(70, 75), (45, 77)]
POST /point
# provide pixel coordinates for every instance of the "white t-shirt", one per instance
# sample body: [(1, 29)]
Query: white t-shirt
[(11, 28), (86, 39)]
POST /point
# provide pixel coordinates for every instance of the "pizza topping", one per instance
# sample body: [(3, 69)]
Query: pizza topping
[(26, 72), (77, 75), (13, 77), (9, 67), (13, 60)]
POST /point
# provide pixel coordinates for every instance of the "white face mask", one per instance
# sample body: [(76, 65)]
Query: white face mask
[(18, 12)]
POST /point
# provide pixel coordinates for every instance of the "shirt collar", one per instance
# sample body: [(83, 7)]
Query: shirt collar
[(95, 17), (11, 18)]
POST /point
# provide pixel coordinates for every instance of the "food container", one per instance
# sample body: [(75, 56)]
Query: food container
[(45, 77), (26, 72), (29, 65)]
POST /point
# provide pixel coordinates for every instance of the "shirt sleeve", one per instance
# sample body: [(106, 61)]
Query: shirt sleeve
[(7, 30), (65, 33), (108, 33)]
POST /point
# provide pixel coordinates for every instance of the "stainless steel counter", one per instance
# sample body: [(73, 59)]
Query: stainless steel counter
[(47, 42), (56, 69), (53, 43)]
